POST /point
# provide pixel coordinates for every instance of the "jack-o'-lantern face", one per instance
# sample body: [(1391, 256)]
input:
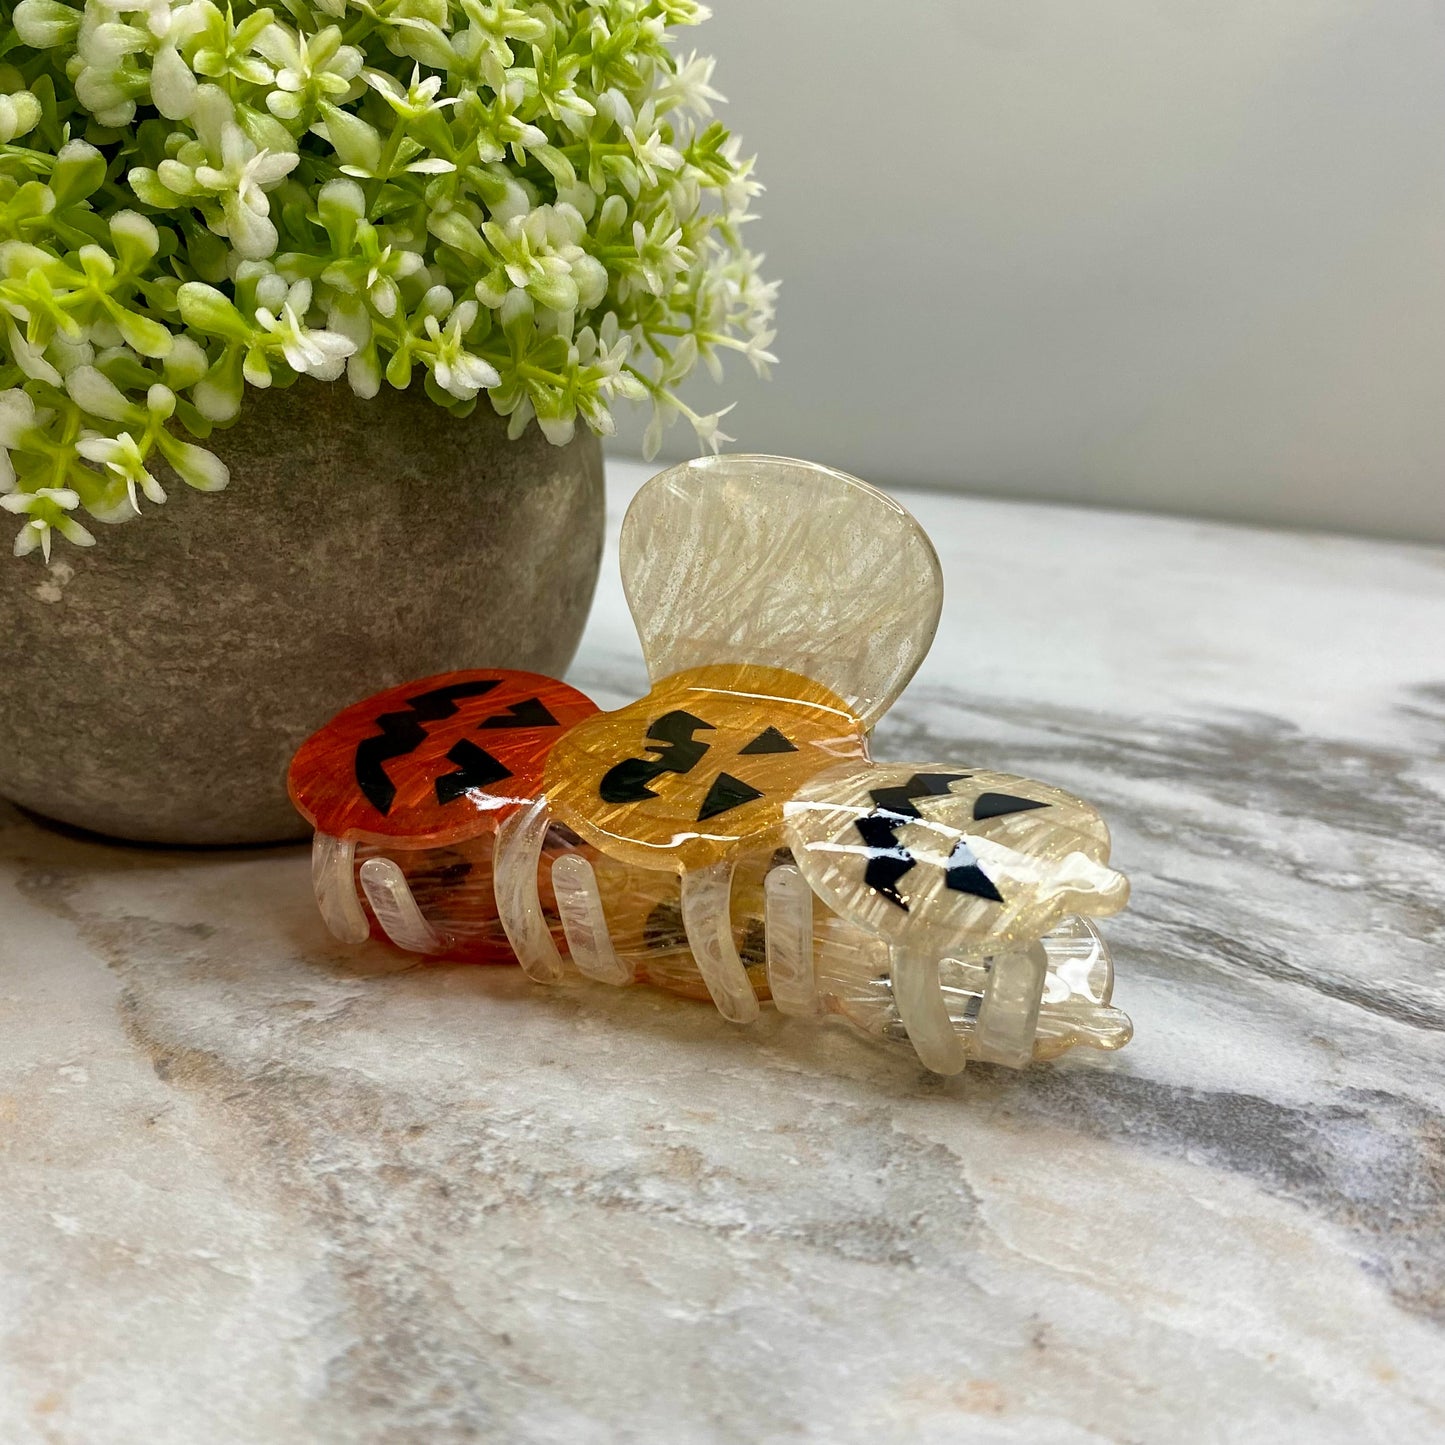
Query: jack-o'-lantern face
[(699, 769), (961, 862), (434, 762)]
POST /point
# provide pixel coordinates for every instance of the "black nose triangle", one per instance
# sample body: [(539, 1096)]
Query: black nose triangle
[(1000, 805), (476, 768), (726, 793), (963, 875)]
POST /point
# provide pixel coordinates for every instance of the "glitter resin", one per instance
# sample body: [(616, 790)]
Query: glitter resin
[(728, 837)]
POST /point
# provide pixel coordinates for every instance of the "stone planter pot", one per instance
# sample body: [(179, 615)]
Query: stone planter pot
[(154, 687)]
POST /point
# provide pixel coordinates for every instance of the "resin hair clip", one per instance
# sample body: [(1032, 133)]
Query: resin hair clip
[(407, 791), (727, 836)]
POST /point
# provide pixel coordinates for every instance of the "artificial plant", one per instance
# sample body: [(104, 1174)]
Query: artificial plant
[(526, 200)]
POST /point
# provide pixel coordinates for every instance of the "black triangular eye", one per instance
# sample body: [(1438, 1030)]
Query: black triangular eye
[(900, 801), (530, 714), (727, 792), (770, 740), (1000, 805)]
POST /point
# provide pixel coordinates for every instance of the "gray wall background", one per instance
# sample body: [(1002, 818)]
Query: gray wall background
[(1184, 255)]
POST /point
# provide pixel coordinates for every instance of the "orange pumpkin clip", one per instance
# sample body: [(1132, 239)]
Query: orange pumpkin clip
[(406, 792)]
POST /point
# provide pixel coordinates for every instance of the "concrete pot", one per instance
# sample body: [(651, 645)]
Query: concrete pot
[(154, 688)]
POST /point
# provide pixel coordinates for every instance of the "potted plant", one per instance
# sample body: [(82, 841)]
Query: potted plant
[(381, 269)]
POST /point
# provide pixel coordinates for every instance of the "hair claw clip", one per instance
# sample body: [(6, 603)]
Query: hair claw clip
[(781, 608), (728, 836), (407, 792)]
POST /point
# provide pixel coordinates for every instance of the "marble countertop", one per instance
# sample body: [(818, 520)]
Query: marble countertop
[(256, 1188)]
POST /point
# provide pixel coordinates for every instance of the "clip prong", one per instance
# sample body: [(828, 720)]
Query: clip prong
[(519, 903), (333, 880), (788, 915), (579, 901), (921, 1006), (1008, 1017), (707, 921), (396, 909)]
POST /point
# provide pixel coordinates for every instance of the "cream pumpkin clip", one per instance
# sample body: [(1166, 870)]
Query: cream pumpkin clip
[(728, 836)]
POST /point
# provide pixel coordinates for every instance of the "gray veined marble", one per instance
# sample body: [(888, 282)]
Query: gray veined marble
[(256, 1188)]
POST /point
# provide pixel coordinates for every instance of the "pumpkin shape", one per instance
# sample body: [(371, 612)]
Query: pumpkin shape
[(700, 768), (943, 861), (782, 606), (407, 790)]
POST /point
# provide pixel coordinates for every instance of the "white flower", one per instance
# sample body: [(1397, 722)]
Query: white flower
[(709, 433), (45, 511), (123, 456), (757, 353), (416, 100), (554, 163), (390, 267), (690, 88), (258, 172), (314, 66), (194, 465), (651, 152), (321, 354), (741, 189), (456, 369), (540, 254), (271, 287), (240, 183), (660, 253)]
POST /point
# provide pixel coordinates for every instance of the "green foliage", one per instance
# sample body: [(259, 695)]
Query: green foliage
[(527, 200)]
